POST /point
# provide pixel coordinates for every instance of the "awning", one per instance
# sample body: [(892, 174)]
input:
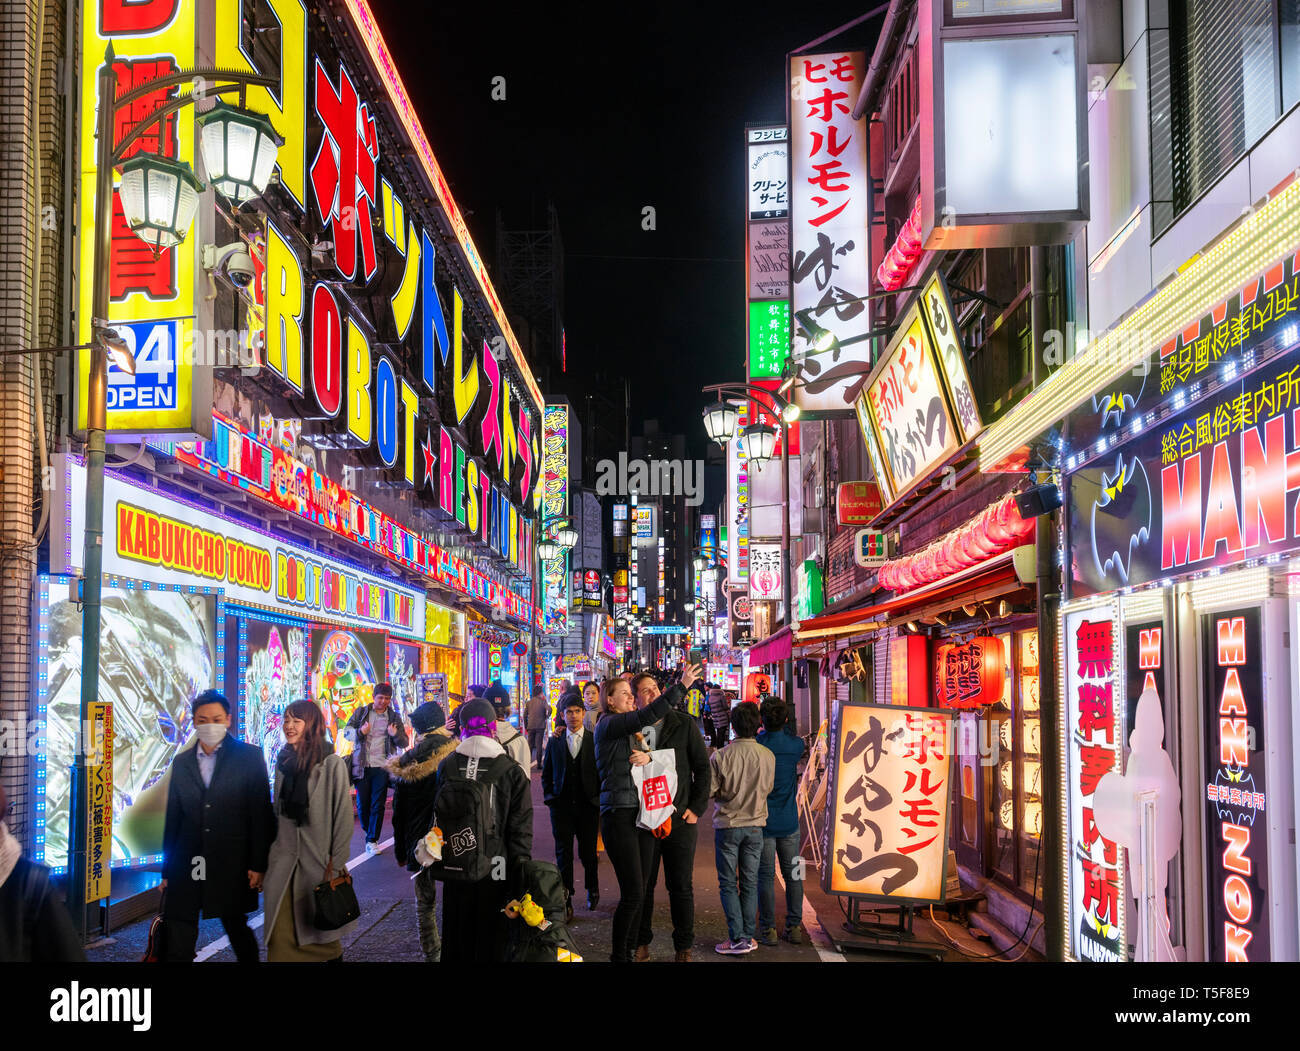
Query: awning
[(773, 648), (998, 575)]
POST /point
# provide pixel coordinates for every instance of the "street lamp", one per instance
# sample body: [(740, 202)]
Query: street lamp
[(699, 562), (159, 197), (720, 421), (567, 537), (548, 550), (239, 151), (758, 443)]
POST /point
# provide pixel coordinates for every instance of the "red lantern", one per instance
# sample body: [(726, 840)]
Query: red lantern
[(757, 684), (940, 656), (970, 676)]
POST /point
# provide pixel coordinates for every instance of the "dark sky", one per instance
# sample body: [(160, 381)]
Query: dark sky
[(604, 118)]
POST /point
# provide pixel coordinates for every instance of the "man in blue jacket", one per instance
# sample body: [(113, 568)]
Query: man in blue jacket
[(781, 834)]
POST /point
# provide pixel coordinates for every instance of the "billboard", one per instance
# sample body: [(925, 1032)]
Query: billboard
[(345, 666), (555, 504), (765, 579), (886, 836), (272, 675), (738, 506), (767, 170), (829, 222)]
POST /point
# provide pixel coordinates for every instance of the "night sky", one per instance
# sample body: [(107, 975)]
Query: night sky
[(604, 120)]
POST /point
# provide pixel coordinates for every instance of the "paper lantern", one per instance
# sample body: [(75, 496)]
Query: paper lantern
[(940, 656), (971, 676), (757, 684)]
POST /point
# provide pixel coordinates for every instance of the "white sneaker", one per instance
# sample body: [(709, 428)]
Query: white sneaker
[(370, 850)]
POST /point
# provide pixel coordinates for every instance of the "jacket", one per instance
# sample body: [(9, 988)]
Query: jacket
[(782, 814), (393, 743), (614, 751), (742, 778), (536, 713), (693, 780), (514, 802), (229, 825), (555, 765), (414, 775), (300, 853), (34, 923), (516, 746), (720, 714)]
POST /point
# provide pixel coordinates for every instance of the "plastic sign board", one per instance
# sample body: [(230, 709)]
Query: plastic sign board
[(886, 834), (870, 548), (857, 503), (765, 578), (99, 802)]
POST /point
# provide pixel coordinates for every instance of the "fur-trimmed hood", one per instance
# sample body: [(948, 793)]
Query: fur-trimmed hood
[(421, 762)]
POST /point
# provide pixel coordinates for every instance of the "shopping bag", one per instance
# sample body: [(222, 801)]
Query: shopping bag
[(656, 784)]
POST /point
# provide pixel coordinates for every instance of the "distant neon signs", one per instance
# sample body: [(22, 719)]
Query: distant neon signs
[(555, 504)]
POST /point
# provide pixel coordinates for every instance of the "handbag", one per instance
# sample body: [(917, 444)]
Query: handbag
[(656, 784), (336, 901), (155, 945)]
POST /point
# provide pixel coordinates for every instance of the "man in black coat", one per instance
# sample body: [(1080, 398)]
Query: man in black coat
[(571, 789), (217, 834), (676, 731)]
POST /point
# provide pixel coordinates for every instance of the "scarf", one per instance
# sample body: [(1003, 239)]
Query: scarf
[(293, 789), (10, 852)]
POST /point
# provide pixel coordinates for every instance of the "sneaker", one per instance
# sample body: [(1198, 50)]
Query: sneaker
[(370, 849), (736, 948), (770, 937), (795, 934)]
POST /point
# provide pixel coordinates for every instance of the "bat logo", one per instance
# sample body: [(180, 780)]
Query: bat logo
[(1114, 404), (1243, 782), (1121, 518)]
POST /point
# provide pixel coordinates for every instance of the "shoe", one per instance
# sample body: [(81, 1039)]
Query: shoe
[(769, 937), (736, 948), (593, 899), (642, 953), (370, 849), (683, 956), (795, 934)]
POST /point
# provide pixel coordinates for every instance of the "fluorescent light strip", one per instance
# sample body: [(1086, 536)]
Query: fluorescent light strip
[(1233, 586), (1259, 241), (1147, 603)]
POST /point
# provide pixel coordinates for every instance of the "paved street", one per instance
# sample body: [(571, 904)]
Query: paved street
[(387, 930)]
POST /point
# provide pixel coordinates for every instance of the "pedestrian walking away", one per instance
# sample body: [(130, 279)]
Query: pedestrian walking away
[(376, 734), (34, 923), (571, 790), (743, 773), (216, 834), (720, 716), (535, 718), (678, 733), (314, 833), (483, 811), (414, 775), (511, 739), (781, 833), (629, 848)]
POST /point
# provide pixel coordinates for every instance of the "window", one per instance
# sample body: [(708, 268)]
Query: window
[(1220, 77)]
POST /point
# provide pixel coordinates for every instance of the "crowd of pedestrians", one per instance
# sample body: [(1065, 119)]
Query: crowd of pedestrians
[(627, 766)]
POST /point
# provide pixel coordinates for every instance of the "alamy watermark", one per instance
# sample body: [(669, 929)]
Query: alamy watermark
[(623, 477)]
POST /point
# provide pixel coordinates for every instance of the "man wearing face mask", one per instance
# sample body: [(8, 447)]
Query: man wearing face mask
[(217, 835)]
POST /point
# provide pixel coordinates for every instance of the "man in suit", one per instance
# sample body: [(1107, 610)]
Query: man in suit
[(217, 834), (571, 788)]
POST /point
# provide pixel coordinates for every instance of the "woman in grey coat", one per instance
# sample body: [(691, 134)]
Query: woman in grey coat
[(313, 810)]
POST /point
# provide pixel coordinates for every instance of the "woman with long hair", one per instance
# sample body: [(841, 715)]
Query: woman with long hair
[(314, 813), (629, 848)]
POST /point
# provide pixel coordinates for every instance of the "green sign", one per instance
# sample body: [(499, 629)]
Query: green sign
[(769, 338), (808, 594)]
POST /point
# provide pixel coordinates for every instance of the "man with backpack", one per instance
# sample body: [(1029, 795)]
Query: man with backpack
[(483, 814)]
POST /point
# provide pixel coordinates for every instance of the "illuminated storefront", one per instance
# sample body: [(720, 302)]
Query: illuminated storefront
[(1180, 561)]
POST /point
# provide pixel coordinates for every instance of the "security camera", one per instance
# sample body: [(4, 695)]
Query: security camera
[(232, 260)]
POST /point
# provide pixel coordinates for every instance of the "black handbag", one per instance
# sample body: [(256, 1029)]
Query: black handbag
[(336, 901), (156, 947)]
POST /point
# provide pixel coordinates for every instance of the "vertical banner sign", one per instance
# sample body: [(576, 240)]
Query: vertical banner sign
[(1143, 666), (829, 222), (738, 506), (765, 572), (1094, 731), (99, 801), (1236, 832), (555, 504), (150, 297), (887, 836)]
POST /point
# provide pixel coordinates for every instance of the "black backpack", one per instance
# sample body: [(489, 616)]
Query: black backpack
[(551, 942), (464, 808)]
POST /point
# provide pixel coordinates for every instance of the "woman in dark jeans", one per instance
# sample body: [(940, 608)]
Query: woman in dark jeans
[(628, 847)]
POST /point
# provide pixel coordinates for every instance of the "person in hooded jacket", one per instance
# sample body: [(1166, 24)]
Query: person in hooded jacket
[(474, 925), (629, 848), (414, 775), (34, 923)]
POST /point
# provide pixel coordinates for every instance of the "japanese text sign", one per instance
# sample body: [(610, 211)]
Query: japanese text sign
[(99, 801), (768, 171), (1094, 729), (829, 222), (765, 571), (886, 835)]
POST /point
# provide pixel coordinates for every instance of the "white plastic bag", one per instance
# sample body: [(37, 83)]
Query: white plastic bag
[(656, 785)]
